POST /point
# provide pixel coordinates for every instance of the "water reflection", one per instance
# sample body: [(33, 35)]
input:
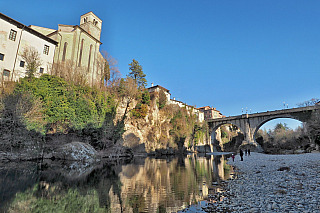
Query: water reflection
[(143, 185)]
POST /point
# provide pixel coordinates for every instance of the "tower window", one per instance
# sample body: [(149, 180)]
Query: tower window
[(1, 57), (41, 70), (13, 35), (85, 19)]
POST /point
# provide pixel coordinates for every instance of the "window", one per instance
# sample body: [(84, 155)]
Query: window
[(6, 73), (64, 51), (1, 57), (46, 49), (13, 35), (41, 70), (80, 56), (85, 19), (22, 63), (89, 57)]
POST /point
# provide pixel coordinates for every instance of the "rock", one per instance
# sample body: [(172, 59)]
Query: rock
[(75, 151), (299, 151)]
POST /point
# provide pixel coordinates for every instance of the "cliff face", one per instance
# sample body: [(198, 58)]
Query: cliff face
[(145, 134), (159, 129)]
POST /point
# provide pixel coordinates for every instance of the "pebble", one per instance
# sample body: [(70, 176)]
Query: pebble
[(261, 186)]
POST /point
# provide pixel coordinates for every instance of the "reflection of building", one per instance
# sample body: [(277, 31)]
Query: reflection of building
[(14, 38), (210, 112)]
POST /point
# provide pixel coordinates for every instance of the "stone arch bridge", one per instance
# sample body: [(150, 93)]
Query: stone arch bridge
[(249, 124)]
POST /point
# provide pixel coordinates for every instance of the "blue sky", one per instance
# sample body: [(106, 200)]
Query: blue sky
[(226, 54)]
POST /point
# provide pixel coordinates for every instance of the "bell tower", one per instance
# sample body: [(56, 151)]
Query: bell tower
[(92, 24)]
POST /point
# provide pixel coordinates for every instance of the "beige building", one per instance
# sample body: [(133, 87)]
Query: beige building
[(78, 46), (14, 38), (210, 112)]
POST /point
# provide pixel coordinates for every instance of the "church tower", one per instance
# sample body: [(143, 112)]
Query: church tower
[(92, 24)]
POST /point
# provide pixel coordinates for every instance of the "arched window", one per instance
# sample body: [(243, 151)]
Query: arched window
[(89, 57), (80, 56), (64, 51)]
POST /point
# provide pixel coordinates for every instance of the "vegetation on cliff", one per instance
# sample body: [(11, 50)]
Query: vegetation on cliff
[(35, 108)]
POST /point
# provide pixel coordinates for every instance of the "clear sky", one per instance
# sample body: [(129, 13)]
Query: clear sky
[(226, 54)]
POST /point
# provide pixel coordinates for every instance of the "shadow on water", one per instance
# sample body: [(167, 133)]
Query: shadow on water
[(142, 185)]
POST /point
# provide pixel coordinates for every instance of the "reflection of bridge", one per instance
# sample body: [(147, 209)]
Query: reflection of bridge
[(249, 124)]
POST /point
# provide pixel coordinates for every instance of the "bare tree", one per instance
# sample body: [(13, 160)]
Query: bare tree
[(33, 60), (107, 72), (310, 102), (68, 71)]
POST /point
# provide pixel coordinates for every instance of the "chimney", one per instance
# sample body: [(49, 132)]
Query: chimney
[(174, 98), (152, 84)]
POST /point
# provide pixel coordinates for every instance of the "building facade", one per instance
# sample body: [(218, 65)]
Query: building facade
[(14, 38), (210, 112), (78, 46)]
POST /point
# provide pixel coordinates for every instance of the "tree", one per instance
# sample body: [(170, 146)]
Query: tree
[(137, 73), (106, 68), (310, 102), (32, 59), (313, 128), (162, 99), (281, 126)]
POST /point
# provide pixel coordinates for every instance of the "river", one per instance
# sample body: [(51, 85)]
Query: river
[(141, 185)]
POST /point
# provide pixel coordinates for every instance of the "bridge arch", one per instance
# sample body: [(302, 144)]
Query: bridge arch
[(270, 119), (221, 124)]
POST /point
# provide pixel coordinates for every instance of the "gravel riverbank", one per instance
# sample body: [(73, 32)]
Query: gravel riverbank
[(272, 183)]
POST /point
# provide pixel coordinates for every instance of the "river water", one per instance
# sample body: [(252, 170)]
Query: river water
[(141, 185)]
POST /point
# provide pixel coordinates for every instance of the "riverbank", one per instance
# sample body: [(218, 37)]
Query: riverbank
[(272, 183)]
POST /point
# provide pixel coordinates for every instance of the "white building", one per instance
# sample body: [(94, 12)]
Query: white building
[(14, 37), (157, 88)]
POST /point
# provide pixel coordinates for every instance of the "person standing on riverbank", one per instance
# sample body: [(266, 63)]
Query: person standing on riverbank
[(241, 154), (232, 156), (248, 152)]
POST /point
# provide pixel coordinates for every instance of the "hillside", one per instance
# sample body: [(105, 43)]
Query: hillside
[(38, 115)]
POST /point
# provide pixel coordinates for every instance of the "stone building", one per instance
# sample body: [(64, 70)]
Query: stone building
[(210, 112), (78, 46), (14, 38)]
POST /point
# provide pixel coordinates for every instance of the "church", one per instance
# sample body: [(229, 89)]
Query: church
[(76, 48)]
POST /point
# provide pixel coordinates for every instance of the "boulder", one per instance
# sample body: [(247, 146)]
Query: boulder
[(75, 151)]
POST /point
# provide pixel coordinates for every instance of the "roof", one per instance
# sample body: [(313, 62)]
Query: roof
[(26, 28), (93, 15), (160, 88), (75, 26)]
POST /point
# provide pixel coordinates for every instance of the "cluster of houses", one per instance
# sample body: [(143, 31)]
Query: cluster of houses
[(203, 113), (71, 45)]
